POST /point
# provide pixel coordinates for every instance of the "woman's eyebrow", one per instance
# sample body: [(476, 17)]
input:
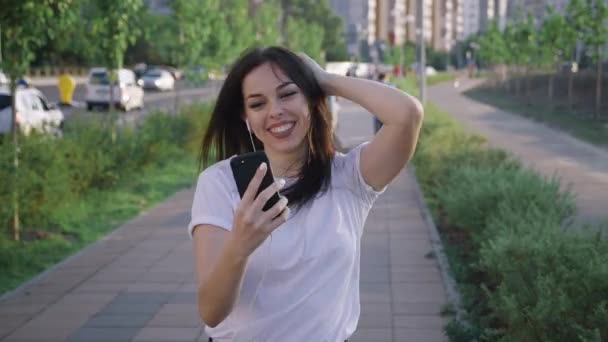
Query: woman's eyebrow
[(284, 84), (280, 86)]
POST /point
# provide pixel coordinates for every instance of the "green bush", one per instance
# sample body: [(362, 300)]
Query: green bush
[(522, 272), (550, 285), (76, 188), (54, 173), (481, 193)]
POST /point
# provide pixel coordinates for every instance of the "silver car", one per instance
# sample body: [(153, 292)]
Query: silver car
[(157, 79)]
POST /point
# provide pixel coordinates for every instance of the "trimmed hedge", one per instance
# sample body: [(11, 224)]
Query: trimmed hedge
[(525, 272), (76, 188)]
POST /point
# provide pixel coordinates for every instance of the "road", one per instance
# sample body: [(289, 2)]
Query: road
[(153, 100)]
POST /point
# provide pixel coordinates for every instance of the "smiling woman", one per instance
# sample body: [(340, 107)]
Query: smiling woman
[(302, 283)]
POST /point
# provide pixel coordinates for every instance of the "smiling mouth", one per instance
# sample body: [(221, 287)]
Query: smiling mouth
[(282, 128)]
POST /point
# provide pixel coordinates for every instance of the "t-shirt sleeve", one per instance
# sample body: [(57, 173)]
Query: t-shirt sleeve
[(352, 167), (212, 203)]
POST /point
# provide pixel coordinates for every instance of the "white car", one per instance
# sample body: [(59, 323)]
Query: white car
[(127, 94), (34, 112), (157, 79), (3, 79)]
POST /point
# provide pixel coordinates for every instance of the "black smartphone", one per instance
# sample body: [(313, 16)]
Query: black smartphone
[(244, 167)]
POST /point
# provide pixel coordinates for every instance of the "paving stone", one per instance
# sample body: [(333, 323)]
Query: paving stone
[(89, 334), (418, 335), (419, 308), (132, 320), (368, 335), (419, 322), (168, 334), (407, 292)]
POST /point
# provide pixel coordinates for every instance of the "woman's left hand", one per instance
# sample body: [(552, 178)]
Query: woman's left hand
[(321, 75)]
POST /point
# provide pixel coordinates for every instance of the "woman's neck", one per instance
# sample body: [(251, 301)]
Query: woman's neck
[(286, 165)]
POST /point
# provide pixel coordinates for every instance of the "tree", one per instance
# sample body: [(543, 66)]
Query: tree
[(576, 17), (189, 30), (595, 37), (307, 42), (25, 26), (492, 47), (511, 55), (311, 13), (526, 34), (557, 40), (115, 26), (266, 23)]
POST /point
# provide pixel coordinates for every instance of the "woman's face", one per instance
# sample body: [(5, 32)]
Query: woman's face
[(277, 110)]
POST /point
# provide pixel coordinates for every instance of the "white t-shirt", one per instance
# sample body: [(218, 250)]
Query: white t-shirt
[(310, 290)]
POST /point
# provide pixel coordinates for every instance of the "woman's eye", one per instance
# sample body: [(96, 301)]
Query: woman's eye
[(291, 93), (255, 105)]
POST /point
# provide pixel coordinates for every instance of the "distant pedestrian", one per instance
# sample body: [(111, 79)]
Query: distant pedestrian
[(290, 273)]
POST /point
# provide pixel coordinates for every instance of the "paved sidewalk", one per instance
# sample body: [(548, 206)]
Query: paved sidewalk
[(138, 282), (579, 164)]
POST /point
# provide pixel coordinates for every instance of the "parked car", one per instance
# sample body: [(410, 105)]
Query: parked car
[(3, 79), (34, 112), (127, 93), (176, 73), (157, 79)]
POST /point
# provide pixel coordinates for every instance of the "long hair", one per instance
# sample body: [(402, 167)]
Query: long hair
[(227, 133)]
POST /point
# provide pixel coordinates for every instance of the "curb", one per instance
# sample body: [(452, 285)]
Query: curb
[(451, 287)]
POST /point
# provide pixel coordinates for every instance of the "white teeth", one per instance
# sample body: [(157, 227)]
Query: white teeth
[(282, 128)]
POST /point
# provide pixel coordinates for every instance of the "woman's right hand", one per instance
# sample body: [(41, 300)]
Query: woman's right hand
[(252, 225)]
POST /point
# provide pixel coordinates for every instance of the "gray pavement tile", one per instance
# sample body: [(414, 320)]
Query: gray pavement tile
[(93, 287), (90, 334), (176, 320), (376, 315), (131, 308), (183, 298), (407, 292), (368, 335), (131, 320), (374, 273), (11, 322), (168, 334), (22, 309), (424, 274), (419, 322), (142, 298), (145, 287), (433, 308), (419, 335)]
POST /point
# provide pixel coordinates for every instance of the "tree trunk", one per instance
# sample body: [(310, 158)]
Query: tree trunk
[(15, 135), (570, 86), (528, 80), (517, 81), (598, 86), (283, 21), (176, 102), (551, 81), (112, 113)]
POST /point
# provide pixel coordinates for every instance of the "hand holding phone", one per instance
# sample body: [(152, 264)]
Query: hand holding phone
[(244, 168), (260, 210)]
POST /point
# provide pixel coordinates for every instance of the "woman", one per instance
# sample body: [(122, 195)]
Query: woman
[(275, 276)]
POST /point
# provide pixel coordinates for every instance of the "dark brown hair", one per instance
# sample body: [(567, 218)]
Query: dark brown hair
[(227, 133)]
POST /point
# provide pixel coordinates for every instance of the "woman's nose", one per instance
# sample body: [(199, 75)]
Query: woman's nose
[(275, 109)]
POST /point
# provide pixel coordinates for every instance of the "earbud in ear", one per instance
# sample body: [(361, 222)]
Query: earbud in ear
[(247, 124)]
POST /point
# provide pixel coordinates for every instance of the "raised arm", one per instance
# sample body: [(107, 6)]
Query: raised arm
[(400, 113)]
